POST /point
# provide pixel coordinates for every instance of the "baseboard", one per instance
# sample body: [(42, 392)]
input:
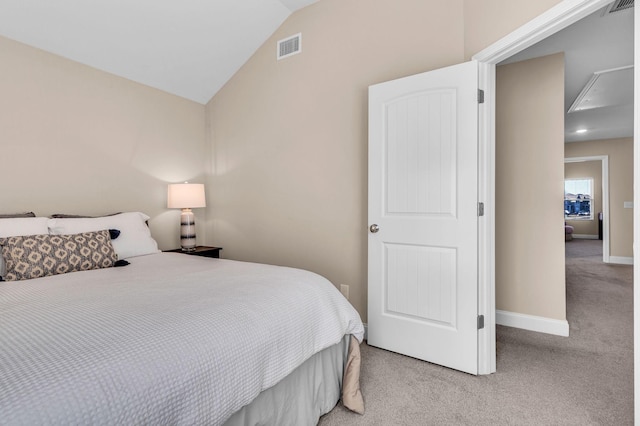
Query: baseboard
[(533, 323), (526, 322), (621, 260), (585, 236)]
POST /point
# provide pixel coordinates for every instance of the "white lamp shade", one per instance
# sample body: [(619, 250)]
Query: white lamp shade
[(186, 196)]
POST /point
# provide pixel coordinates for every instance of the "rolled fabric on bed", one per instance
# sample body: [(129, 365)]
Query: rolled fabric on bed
[(36, 256)]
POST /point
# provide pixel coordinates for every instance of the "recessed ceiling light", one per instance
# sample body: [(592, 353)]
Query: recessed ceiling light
[(581, 131)]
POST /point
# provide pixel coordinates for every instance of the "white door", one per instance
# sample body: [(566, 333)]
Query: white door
[(423, 216)]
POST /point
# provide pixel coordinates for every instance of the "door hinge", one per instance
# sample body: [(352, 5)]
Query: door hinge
[(480, 96), (480, 322), (480, 209)]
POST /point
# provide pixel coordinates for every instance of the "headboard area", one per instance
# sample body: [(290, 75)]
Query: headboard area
[(77, 140), (164, 226)]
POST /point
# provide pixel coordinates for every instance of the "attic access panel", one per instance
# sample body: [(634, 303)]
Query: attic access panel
[(606, 88)]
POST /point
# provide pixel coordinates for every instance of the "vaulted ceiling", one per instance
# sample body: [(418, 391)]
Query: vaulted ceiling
[(190, 48)]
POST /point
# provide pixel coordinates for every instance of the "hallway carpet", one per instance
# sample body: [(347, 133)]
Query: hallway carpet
[(583, 379)]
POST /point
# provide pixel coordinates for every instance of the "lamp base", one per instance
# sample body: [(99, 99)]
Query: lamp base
[(187, 230)]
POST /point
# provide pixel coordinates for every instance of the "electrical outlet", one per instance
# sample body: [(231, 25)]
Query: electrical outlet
[(344, 289)]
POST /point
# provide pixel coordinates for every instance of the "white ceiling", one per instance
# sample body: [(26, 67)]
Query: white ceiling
[(599, 42), (189, 48)]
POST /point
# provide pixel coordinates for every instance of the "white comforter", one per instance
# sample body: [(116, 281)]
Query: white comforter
[(169, 339)]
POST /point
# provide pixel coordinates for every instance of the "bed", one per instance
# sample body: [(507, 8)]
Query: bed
[(174, 339)]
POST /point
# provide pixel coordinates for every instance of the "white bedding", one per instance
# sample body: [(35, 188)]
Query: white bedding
[(169, 339)]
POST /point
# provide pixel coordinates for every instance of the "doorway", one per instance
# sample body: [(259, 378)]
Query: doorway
[(555, 19), (596, 207)]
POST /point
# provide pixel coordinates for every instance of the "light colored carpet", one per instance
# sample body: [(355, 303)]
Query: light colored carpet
[(584, 379)]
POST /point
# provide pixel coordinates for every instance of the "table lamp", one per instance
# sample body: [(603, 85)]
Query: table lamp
[(186, 196)]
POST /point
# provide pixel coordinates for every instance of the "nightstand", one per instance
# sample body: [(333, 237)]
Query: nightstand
[(204, 251)]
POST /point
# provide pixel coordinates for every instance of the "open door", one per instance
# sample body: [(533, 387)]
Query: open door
[(423, 216)]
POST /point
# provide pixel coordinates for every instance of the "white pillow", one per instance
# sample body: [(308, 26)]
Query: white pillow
[(134, 240), (18, 226)]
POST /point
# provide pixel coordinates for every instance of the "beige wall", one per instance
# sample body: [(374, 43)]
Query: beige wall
[(593, 170), (289, 138), (530, 276), (487, 21), (620, 152), (78, 140)]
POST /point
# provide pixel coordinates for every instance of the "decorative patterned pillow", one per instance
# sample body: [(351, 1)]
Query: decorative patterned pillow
[(24, 224), (35, 256)]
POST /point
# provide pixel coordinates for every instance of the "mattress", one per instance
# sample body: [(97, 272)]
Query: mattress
[(169, 339)]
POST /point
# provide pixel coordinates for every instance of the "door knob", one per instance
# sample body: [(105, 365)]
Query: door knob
[(374, 228)]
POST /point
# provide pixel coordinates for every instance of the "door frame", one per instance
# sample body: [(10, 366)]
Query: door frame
[(553, 20), (604, 159)]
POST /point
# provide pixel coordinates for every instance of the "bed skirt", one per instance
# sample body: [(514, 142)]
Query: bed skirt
[(311, 390)]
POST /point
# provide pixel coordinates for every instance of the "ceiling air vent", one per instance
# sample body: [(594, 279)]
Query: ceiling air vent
[(619, 5), (290, 46)]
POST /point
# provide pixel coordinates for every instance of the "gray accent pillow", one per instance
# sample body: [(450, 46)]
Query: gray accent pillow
[(36, 256), (14, 215), (78, 216)]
